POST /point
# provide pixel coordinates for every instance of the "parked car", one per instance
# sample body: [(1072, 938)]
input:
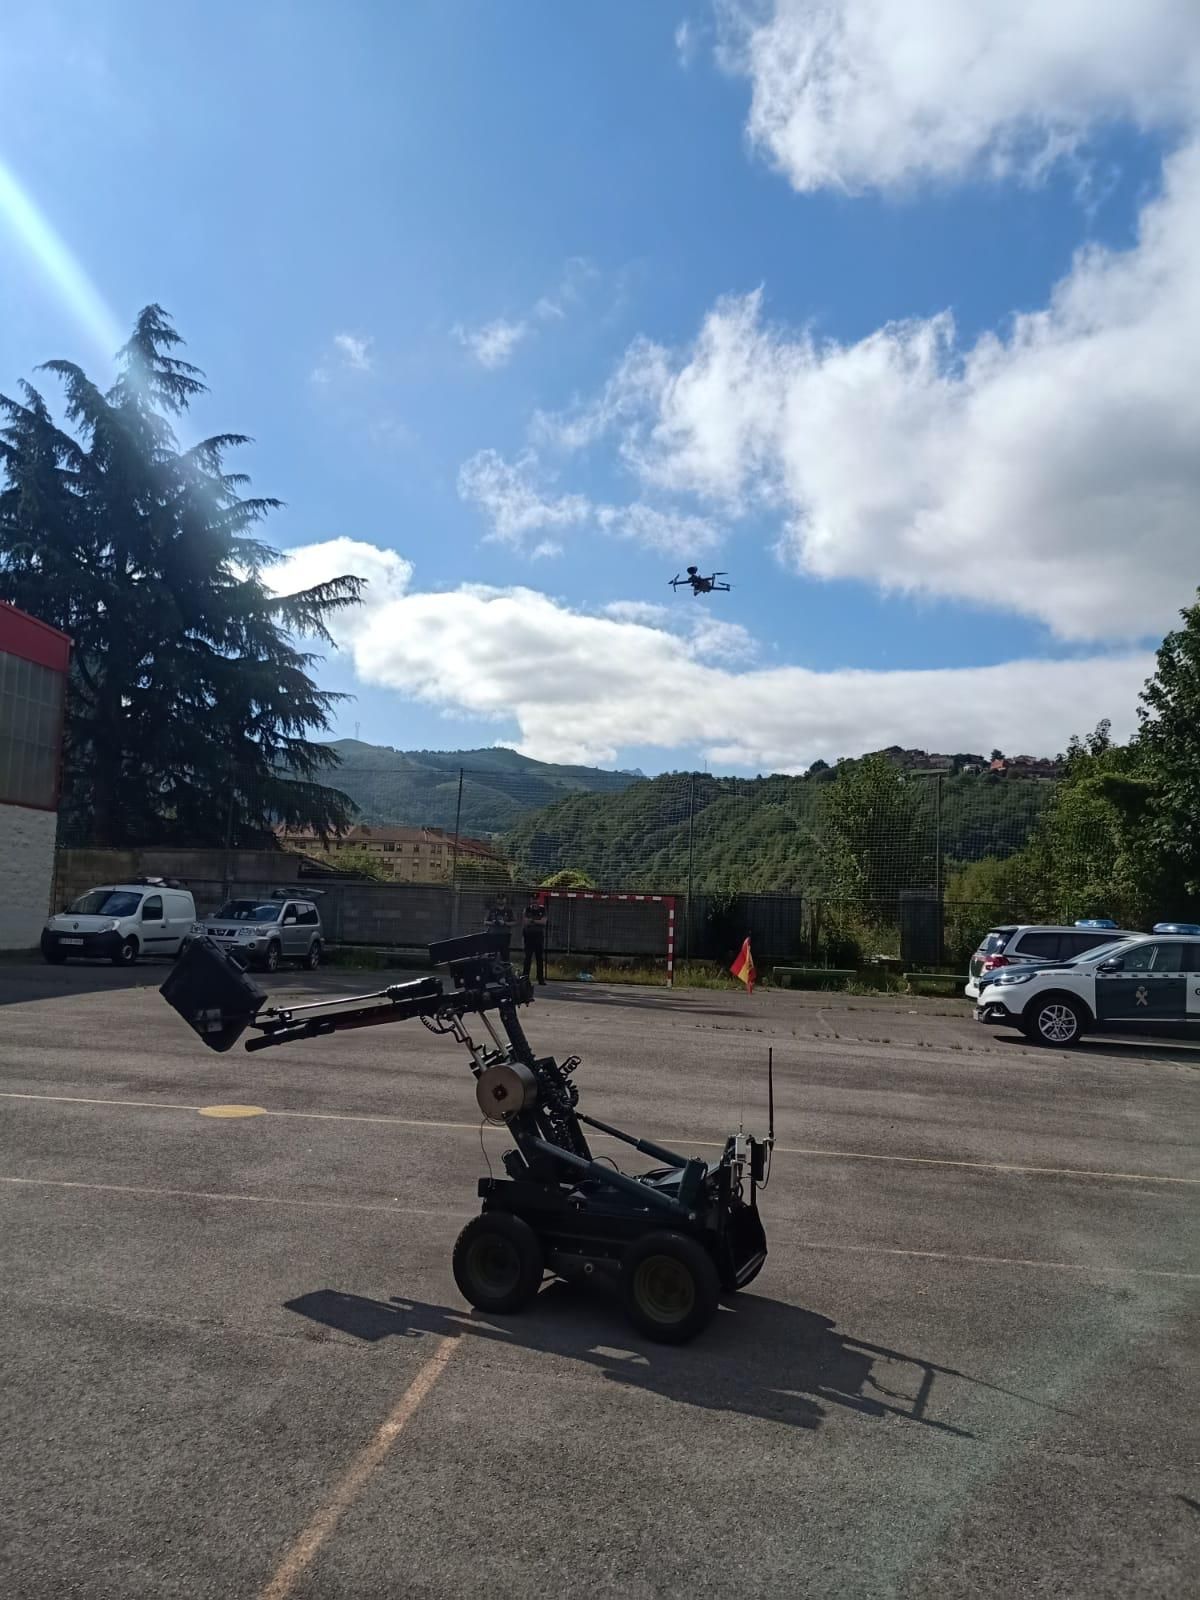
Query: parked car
[(264, 932), (1139, 982), (119, 922), (1038, 944)]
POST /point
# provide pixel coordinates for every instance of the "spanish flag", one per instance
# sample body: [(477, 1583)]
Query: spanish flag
[(743, 967)]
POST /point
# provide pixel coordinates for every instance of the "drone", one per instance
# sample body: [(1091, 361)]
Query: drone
[(700, 585)]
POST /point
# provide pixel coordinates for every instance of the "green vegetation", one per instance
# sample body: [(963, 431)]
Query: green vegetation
[(189, 706), (419, 788), (1121, 835), (864, 830)]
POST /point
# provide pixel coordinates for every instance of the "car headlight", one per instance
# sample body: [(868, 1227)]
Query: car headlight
[(114, 926), (1015, 977)]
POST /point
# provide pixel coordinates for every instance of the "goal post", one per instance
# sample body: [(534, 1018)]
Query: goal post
[(600, 923)]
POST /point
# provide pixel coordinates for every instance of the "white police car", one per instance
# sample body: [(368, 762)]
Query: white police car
[(1133, 983)]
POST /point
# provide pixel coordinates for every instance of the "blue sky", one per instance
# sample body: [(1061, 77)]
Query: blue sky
[(355, 213)]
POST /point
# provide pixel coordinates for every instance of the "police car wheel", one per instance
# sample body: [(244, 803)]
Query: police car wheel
[(1055, 1020)]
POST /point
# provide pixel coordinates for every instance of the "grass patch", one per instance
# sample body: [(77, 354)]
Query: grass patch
[(688, 974), (369, 958), (876, 981)]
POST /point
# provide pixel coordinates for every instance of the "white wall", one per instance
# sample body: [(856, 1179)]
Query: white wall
[(26, 874)]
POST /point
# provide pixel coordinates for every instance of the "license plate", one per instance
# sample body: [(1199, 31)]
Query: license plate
[(70, 941)]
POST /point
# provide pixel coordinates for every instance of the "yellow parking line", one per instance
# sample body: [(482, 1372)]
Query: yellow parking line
[(816, 1152), (353, 1480)]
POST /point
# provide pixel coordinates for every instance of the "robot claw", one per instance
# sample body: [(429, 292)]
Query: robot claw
[(669, 1240)]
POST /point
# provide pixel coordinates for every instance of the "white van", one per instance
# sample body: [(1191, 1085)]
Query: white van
[(120, 922)]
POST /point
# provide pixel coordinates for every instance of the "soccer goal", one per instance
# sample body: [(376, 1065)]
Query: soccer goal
[(625, 930)]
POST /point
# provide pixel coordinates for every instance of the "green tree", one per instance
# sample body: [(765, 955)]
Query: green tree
[(480, 872), (568, 878), (879, 828), (190, 706), (1092, 852), (1170, 740), (357, 858)]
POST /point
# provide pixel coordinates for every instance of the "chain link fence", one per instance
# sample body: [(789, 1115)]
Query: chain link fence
[(845, 867)]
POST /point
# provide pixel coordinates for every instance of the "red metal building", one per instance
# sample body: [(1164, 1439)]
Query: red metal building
[(33, 687)]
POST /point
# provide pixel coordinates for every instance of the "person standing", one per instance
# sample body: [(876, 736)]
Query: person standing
[(533, 936), (499, 920)]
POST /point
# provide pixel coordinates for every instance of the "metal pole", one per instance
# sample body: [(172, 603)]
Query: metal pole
[(454, 857), (937, 829), (457, 821), (687, 940), (228, 886)]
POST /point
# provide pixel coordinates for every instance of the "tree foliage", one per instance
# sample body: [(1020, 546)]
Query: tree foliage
[(863, 828), (190, 707), (568, 878), (1170, 742)]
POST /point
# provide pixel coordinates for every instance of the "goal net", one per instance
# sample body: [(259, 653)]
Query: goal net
[(622, 933)]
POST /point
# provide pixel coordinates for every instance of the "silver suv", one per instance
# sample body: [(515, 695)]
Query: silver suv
[(1038, 944), (262, 933)]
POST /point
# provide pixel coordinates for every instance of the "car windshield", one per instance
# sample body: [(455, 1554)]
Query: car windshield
[(1101, 952), (248, 911), (995, 941), (107, 903)]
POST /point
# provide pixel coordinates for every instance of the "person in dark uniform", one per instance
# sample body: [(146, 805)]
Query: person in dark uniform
[(533, 935), (499, 920)]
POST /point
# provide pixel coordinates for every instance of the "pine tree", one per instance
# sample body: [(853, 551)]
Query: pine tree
[(1170, 740), (190, 705)]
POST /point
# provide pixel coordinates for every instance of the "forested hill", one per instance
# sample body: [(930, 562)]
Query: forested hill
[(419, 788), (864, 827)]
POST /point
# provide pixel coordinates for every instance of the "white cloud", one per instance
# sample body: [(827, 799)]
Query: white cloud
[(863, 93), (388, 574), (493, 344), (585, 688), (355, 352), (714, 640), (508, 495), (350, 353), (513, 495), (1053, 471), (685, 44), (646, 611), (639, 378)]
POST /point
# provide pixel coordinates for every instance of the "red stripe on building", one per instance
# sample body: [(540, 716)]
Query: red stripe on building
[(30, 639)]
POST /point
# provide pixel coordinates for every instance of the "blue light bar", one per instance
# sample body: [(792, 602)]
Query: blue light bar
[(1102, 922), (1177, 927)]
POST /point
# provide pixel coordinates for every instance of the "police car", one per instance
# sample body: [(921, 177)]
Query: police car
[(1136, 983)]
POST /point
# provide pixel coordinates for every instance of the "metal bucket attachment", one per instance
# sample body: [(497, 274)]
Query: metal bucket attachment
[(212, 994)]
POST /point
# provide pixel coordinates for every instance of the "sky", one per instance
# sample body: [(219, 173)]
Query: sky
[(888, 308)]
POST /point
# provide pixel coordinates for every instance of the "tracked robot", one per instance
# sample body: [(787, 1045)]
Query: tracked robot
[(670, 1240)]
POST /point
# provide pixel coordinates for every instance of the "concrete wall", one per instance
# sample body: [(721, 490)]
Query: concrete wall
[(205, 872), (26, 874), (415, 914)]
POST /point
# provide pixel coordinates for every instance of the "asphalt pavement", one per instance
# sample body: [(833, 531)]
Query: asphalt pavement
[(236, 1363)]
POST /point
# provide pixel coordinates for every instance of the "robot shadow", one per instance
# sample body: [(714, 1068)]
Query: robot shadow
[(759, 1357)]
